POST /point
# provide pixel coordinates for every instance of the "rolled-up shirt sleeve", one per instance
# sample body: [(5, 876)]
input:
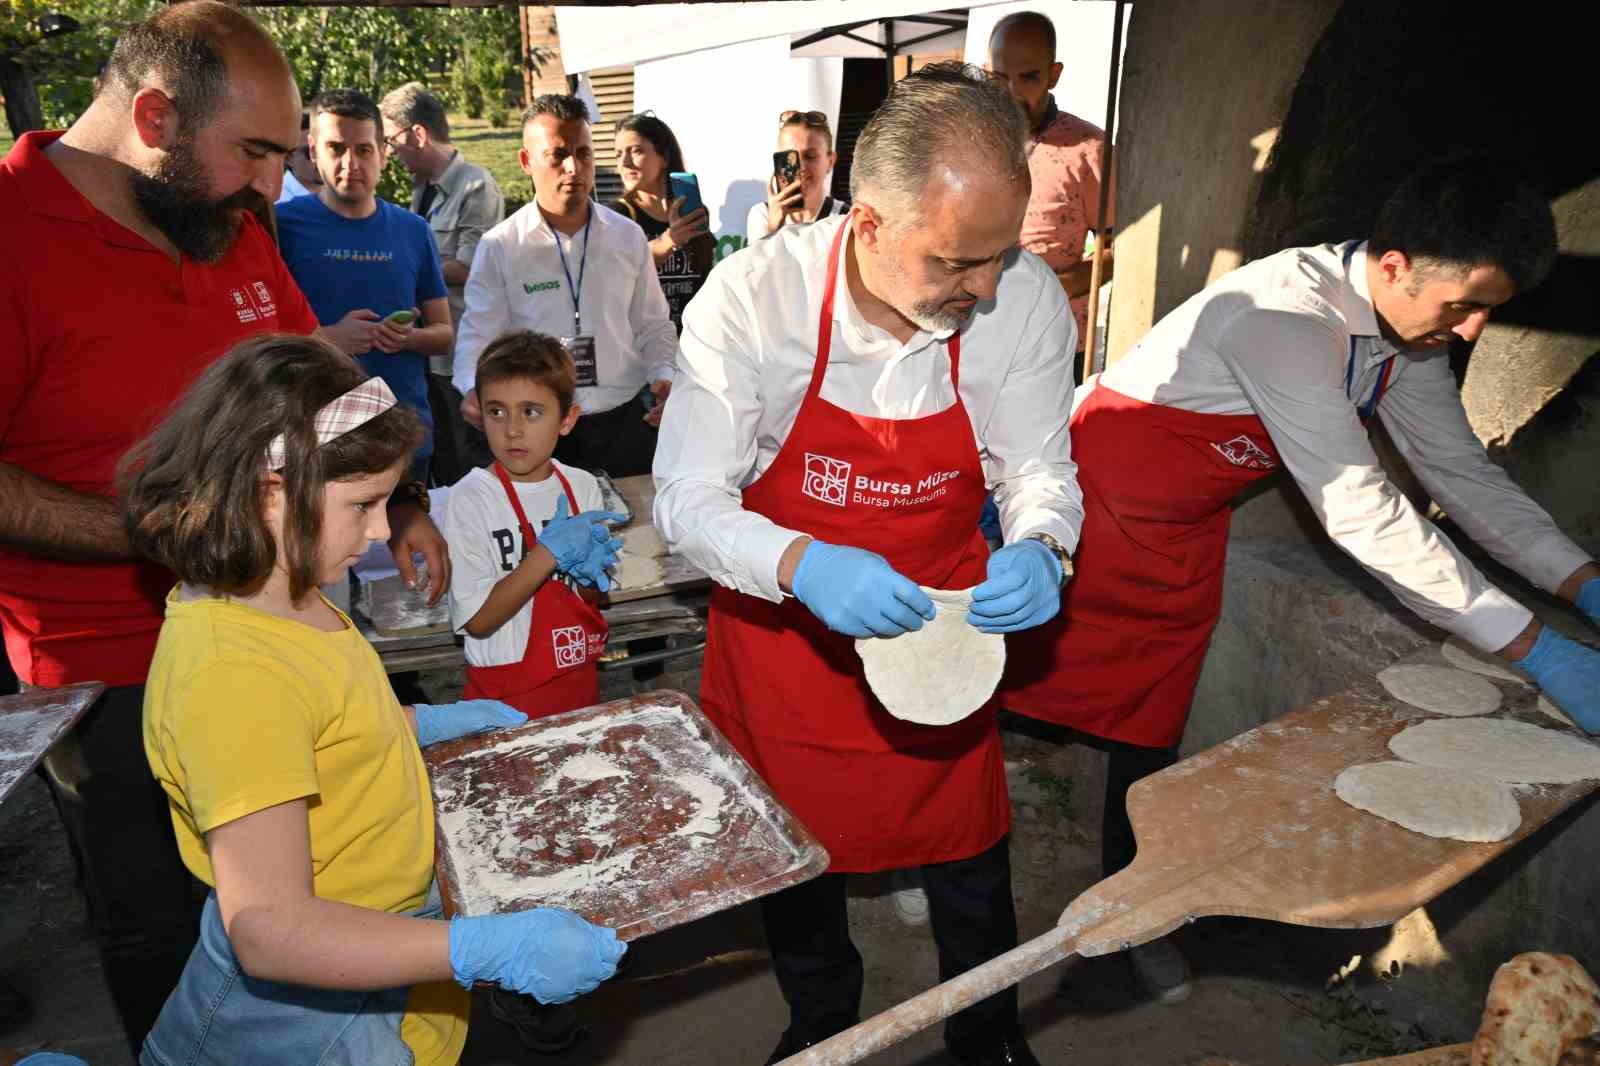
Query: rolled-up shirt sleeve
[(487, 314), (651, 318), (1027, 451), (707, 449), (1290, 366), (1424, 415)]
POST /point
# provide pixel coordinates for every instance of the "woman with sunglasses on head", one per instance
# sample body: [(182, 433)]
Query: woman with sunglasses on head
[(681, 245), (806, 199)]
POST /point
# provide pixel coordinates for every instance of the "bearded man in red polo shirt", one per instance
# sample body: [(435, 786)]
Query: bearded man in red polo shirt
[(145, 265)]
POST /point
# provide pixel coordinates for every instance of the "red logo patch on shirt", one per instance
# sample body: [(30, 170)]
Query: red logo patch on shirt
[(827, 480), (1242, 451), (263, 298)]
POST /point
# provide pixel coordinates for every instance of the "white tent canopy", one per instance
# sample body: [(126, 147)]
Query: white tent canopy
[(594, 38)]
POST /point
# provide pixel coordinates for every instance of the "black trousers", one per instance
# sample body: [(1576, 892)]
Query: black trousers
[(458, 446), (144, 905), (820, 971), (618, 441), (1125, 764)]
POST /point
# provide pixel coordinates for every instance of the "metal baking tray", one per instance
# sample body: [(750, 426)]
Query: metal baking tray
[(636, 814)]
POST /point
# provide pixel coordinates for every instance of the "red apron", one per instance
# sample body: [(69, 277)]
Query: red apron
[(565, 638), (1122, 658), (789, 694)]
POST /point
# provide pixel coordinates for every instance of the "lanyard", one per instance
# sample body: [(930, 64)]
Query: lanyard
[(583, 262)]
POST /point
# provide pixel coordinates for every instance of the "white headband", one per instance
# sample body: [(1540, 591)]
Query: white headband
[(339, 416)]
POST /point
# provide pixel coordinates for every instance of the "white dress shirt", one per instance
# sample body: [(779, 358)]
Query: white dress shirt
[(291, 188), (748, 348), (1294, 339), (517, 282)]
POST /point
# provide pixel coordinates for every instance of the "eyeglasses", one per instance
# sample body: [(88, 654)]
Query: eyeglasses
[(398, 140), (814, 119)]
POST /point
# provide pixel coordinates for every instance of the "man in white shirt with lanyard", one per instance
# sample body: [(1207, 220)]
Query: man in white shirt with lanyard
[(575, 270), (848, 392), (1281, 364)]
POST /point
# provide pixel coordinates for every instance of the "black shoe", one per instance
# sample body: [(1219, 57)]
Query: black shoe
[(548, 1028), (797, 1038), (1007, 1049)]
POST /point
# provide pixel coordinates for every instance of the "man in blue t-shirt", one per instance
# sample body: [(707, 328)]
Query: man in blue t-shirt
[(361, 261)]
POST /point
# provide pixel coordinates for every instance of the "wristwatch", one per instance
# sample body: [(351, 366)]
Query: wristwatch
[(1062, 555), (415, 491)]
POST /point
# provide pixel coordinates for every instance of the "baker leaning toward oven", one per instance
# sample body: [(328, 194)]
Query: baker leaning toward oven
[(1281, 363), (847, 392)]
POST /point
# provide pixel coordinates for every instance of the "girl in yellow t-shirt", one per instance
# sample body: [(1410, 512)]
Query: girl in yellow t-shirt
[(295, 778)]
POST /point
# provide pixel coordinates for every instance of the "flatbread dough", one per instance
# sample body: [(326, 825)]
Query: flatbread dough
[(1432, 801), (1440, 689), (1465, 657), (1501, 748), (1547, 707), (940, 673)]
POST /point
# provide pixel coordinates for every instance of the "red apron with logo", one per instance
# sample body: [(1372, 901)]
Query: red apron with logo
[(789, 694), (565, 638), (1122, 658)]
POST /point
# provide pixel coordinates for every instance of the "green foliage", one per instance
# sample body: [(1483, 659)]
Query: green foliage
[(372, 49), (64, 67)]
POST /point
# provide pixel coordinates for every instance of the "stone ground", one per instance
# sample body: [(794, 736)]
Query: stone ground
[(704, 993)]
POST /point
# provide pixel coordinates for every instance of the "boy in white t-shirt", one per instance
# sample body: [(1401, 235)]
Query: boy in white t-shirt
[(528, 544)]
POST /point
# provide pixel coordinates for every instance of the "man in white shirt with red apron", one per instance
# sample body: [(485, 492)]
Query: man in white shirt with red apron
[(909, 345), (1280, 364)]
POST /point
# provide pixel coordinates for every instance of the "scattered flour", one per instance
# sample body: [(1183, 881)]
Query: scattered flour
[(708, 797)]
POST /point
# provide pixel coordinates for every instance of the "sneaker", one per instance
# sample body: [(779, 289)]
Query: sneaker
[(910, 898), (1162, 970), (548, 1028)]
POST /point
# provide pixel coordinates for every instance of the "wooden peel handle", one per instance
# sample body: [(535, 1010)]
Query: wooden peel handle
[(937, 1003)]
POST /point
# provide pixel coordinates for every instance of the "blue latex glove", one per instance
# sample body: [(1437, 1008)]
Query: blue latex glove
[(1589, 599), (1023, 590), (572, 538), (548, 953), (1569, 673), (857, 592), (989, 520), (447, 721), (51, 1058), (602, 555)]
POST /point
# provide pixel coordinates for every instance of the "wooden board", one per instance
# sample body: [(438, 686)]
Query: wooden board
[(646, 568), (31, 724), (636, 814), (1252, 828), (1453, 1055)]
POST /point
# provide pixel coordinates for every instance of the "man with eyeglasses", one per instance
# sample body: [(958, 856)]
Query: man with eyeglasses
[(300, 177), (805, 197), (848, 393), (1063, 157), (461, 202)]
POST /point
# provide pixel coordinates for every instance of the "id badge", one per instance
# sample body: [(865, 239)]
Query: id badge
[(582, 351)]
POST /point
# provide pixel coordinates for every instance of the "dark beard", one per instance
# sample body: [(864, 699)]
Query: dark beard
[(175, 201)]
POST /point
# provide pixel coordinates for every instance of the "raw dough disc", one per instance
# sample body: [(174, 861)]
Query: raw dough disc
[(1501, 748), (1432, 801), (1440, 689), (1465, 657), (1547, 706), (940, 673)]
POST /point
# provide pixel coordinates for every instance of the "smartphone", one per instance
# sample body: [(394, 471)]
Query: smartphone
[(786, 167), (401, 318), (688, 187)]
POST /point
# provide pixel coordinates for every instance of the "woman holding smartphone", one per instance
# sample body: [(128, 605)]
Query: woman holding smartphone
[(798, 188), (680, 244)]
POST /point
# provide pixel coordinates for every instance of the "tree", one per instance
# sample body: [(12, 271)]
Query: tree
[(49, 80)]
